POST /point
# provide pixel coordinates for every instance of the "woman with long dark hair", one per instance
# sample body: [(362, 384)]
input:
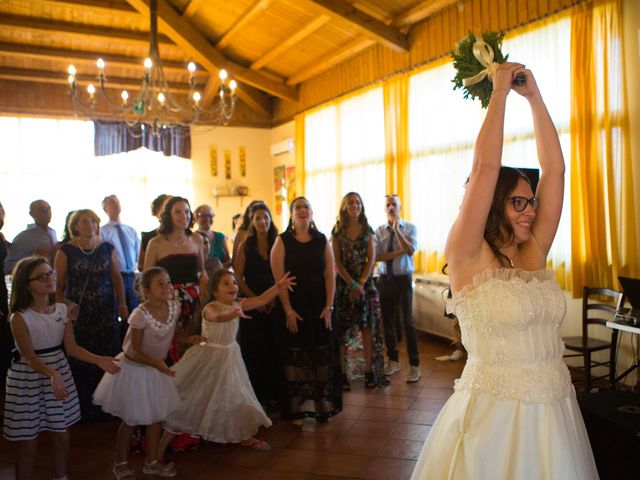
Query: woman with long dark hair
[(309, 357), (513, 413), (180, 252), (257, 334), (357, 304)]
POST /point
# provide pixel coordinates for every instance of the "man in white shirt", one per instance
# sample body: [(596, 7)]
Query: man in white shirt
[(396, 241)]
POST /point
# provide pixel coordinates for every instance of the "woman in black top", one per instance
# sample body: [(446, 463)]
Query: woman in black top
[(257, 334), (309, 355)]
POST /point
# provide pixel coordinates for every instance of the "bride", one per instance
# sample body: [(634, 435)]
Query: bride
[(513, 414)]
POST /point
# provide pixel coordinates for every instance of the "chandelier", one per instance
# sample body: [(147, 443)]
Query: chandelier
[(154, 106)]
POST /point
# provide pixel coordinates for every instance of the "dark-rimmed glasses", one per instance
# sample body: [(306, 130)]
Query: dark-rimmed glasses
[(44, 276), (520, 203)]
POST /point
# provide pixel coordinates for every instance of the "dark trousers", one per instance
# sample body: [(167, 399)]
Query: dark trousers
[(396, 297), (129, 281)]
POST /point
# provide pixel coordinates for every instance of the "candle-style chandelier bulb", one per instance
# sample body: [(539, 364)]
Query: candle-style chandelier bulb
[(71, 70), (125, 96), (192, 68), (223, 75), (91, 90), (148, 63), (100, 64)]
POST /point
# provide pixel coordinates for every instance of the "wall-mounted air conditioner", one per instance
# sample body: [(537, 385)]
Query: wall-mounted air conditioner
[(283, 147)]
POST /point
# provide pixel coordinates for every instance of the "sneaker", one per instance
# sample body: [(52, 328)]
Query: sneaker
[(414, 374), (391, 367)]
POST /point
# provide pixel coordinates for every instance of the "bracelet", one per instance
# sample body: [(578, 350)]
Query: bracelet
[(123, 306), (330, 308), (353, 285)]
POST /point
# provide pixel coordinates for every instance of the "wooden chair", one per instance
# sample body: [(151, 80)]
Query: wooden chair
[(585, 345)]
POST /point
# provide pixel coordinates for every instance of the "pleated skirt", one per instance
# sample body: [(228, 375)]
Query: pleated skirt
[(30, 406)]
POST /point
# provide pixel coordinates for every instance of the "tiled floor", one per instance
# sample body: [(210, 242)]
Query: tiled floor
[(377, 436)]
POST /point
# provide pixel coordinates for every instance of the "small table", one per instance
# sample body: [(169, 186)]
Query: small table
[(622, 327)]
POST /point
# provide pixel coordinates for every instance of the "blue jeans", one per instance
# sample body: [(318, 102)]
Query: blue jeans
[(396, 297)]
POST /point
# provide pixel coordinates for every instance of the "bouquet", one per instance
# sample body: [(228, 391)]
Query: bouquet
[(476, 60)]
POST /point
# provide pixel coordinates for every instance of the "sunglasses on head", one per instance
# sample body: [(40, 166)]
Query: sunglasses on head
[(520, 203)]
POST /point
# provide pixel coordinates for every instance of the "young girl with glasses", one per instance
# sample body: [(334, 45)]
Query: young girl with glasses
[(40, 393)]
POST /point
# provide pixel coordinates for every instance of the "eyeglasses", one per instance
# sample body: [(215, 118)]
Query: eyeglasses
[(208, 215), (45, 276), (520, 203)]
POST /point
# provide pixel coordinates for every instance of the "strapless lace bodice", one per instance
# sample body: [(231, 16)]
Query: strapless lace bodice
[(220, 333), (510, 323)]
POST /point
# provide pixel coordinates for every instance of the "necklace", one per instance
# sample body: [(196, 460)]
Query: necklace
[(90, 251), (177, 243)]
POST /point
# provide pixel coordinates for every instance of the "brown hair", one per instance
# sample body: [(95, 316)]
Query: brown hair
[(498, 230), (75, 218), (166, 224), (147, 277), (157, 203), (214, 283), (21, 297), (312, 225), (252, 240), (341, 221)]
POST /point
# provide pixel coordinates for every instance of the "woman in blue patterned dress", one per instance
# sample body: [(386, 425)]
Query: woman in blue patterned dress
[(89, 275)]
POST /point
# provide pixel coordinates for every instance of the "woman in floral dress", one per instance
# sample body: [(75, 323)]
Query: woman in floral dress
[(357, 304)]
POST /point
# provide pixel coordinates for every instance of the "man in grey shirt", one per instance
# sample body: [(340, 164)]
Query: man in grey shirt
[(396, 241), (37, 239)]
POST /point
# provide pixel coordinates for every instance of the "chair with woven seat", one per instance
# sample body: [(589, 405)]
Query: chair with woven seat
[(598, 307)]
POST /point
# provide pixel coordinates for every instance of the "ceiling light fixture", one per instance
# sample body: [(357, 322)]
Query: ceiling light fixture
[(154, 105)]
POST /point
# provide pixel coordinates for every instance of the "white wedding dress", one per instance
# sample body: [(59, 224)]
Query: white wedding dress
[(513, 415)]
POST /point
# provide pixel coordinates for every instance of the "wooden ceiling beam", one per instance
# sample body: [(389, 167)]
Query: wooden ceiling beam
[(191, 8), (349, 50), (113, 34), (120, 6), (60, 78), (256, 9), (76, 56), (199, 47), (368, 25), (289, 42), (420, 12)]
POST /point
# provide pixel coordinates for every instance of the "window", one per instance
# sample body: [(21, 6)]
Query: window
[(53, 160), (344, 151), (443, 127)]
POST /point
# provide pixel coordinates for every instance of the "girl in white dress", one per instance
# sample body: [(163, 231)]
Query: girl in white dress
[(143, 393), (218, 403), (514, 413), (40, 392)]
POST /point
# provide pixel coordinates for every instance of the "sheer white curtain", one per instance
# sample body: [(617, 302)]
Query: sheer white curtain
[(443, 127), (53, 160), (344, 151)]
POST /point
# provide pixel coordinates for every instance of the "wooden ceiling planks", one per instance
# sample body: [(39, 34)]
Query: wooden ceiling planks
[(269, 46)]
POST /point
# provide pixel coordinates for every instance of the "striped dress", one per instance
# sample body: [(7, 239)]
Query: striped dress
[(30, 405)]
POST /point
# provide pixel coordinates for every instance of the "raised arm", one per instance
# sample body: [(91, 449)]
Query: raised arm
[(550, 190), (467, 233)]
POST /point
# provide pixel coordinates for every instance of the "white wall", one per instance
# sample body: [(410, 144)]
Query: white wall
[(259, 174)]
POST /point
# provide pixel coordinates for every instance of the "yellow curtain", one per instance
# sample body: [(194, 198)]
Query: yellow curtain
[(397, 156), (603, 219), (299, 119)]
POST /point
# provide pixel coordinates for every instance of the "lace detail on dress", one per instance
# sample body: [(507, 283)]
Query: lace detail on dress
[(537, 383), (510, 322), (158, 326)]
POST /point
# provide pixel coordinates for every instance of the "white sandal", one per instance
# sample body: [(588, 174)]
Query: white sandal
[(123, 473), (159, 469)]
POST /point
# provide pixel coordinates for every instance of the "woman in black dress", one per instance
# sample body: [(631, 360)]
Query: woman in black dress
[(309, 349), (257, 334)]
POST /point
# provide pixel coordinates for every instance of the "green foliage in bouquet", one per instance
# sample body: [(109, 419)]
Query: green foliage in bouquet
[(467, 65)]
